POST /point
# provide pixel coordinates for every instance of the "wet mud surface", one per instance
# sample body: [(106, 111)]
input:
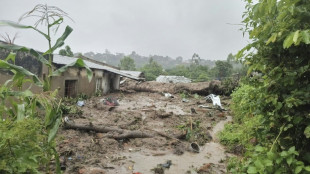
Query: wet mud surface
[(181, 123)]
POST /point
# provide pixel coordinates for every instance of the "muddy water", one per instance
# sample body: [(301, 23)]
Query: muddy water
[(212, 152)]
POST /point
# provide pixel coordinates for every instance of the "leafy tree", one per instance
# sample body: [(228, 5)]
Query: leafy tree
[(222, 69), (231, 58), (66, 52), (127, 63), (196, 59), (280, 100), (197, 73), (152, 70)]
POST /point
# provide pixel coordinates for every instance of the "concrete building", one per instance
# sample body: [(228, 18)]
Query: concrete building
[(137, 74), (74, 80)]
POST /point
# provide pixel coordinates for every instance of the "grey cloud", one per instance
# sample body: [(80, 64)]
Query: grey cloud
[(163, 27)]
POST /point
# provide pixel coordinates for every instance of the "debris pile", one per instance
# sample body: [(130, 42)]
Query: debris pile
[(201, 88), (120, 132), (173, 79)]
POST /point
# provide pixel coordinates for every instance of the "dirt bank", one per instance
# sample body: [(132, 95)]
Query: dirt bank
[(201, 88)]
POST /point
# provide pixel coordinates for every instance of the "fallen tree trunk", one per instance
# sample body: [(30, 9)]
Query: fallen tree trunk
[(91, 127), (119, 133), (201, 88), (131, 134), (115, 132)]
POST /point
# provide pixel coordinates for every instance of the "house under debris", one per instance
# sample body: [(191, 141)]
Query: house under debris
[(137, 74), (72, 82)]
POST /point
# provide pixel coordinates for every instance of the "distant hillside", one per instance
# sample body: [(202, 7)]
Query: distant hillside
[(166, 62)]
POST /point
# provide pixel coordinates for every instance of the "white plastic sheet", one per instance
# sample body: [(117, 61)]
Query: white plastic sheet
[(215, 99)]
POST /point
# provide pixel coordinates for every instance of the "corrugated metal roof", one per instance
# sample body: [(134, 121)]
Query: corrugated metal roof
[(133, 73), (64, 60)]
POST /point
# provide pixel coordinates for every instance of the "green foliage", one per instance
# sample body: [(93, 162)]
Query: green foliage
[(66, 52), (222, 69), (197, 73), (281, 97), (152, 70), (25, 157), (31, 123), (229, 84), (265, 161), (184, 94), (194, 131), (127, 63)]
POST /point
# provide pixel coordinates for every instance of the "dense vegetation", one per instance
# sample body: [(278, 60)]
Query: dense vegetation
[(272, 120), (165, 61), (195, 71), (29, 122)]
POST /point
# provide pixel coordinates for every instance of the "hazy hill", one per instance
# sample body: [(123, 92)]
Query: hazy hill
[(166, 61)]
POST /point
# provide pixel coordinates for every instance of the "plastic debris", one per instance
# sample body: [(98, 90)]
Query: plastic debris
[(80, 103), (215, 99), (168, 95), (204, 106), (185, 100), (167, 164), (110, 101)]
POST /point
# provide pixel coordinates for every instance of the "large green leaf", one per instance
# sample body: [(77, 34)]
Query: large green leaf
[(26, 93), (11, 57), (13, 47), (20, 70), (288, 40), (53, 131), (25, 49), (60, 41), (305, 36), (17, 25), (20, 112), (58, 170), (307, 132), (40, 57), (78, 63)]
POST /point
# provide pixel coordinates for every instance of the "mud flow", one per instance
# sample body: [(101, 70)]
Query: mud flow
[(145, 133)]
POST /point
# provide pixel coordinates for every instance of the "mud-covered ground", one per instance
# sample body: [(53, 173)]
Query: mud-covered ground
[(175, 123)]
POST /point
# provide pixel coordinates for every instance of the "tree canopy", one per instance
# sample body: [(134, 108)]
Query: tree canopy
[(66, 51), (127, 63), (152, 70)]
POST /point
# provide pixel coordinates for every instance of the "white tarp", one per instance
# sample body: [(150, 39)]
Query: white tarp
[(215, 99)]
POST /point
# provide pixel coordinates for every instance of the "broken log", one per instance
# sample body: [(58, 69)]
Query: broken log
[(118, 133), (115, 132), (131, 134), (91, 127)]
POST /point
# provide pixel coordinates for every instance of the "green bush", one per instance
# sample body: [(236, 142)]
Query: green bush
[(280, 98), (21, 146)]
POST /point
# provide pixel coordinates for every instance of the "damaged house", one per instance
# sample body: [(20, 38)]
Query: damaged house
[(72, 82)]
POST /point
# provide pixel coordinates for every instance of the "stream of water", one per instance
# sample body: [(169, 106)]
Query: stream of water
[(211, 152)]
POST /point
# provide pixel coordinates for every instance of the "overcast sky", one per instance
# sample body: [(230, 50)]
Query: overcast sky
[(148, 27)]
